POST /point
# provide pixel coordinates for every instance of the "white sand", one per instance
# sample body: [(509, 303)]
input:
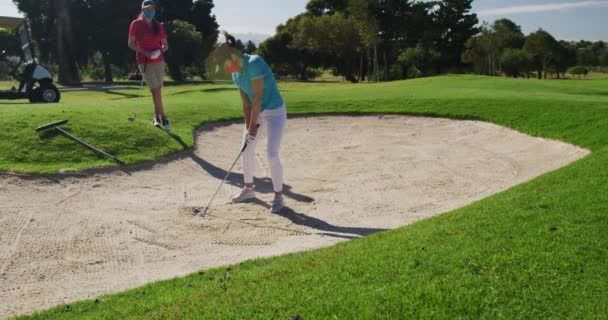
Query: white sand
[(69, 238)]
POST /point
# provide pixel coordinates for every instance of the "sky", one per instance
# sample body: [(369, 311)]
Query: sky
[(564, 19)]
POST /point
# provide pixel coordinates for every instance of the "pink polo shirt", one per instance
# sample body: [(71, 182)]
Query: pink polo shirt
[(145, 38)]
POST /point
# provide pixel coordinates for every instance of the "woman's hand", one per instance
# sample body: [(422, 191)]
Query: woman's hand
[(253, 130)]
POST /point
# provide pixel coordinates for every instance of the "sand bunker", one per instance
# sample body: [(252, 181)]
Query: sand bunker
[(69, 238)]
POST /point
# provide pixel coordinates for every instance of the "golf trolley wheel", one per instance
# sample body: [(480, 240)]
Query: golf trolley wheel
[(45, 93)]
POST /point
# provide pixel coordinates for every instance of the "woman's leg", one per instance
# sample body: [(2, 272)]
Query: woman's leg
[(154, 77), (159, 111), (275, 125), (249, 159), (248, 169)]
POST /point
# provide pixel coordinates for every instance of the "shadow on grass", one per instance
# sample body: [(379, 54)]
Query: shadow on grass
[(202, 91), (122, 94), (178, 139), (8, 102)]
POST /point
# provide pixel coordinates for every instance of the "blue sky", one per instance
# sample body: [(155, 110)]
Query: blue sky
[(565, 19)]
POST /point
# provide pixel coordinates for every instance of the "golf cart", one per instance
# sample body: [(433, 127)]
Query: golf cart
[(35, 82)]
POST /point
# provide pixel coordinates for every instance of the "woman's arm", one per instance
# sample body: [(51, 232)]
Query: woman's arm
[(246, 108), (257, 87), (164, 45), (133, 45)]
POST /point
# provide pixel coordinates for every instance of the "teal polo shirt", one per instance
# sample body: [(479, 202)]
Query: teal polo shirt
[(254, 67)]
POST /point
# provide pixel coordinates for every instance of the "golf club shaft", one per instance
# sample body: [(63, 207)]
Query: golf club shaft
[(142, 74), (66, 134), (225, 178), (228, 174)]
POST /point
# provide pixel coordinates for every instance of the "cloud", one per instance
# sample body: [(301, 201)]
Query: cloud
[(533, 8)]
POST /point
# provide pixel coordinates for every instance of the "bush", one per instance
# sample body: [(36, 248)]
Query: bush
[(396, 72), (578, 71), (413, 72), (94, 69), (312, 73)]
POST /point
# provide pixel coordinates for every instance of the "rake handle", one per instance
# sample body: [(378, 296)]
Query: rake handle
[(88, 146)]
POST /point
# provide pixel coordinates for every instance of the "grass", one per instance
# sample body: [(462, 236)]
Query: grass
[(538, 250)]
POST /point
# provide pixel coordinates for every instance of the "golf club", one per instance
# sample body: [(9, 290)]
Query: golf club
[(199, 213), (55, 125), (141, 85)]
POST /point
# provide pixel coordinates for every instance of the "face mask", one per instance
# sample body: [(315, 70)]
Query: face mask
[(150, 14), (232, 66)]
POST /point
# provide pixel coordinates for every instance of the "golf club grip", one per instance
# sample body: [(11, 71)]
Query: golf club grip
[(247, 142), (88, 146)]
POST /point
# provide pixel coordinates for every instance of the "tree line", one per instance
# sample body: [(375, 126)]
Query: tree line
[(90, 35), (361, 40), (502, 48), (373, 40)]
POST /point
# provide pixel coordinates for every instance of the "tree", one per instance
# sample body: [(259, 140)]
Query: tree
[(604, 59), (239, 45), (475, 54), (326, 7), (455, 25), (420, 58), (578, 71), (68, 70), (508, 34), (169, 10), (515, 62), (205, 22), (542, 47), (8, 42), (365, 16), (486, 50), (41, 16), (186, 46), (591, 53), (565, 57), (286, 59), (53, 30), (332, 37), (110, 32)]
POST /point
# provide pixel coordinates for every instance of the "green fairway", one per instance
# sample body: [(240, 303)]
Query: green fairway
[(536, 251)]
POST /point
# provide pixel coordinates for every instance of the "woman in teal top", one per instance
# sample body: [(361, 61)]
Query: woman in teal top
[(265, 115)]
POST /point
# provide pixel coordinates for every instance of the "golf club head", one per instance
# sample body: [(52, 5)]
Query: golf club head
[(198, 213)]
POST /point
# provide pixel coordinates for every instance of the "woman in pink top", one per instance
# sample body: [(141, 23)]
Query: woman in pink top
[(148, 39)]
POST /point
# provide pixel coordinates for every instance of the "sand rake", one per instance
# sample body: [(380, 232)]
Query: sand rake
[(55, 126)]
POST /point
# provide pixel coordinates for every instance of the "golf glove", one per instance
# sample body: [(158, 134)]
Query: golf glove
[(247, 138), (155, 54)]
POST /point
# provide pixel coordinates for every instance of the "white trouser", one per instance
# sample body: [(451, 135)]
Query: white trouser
[(272, 123)]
